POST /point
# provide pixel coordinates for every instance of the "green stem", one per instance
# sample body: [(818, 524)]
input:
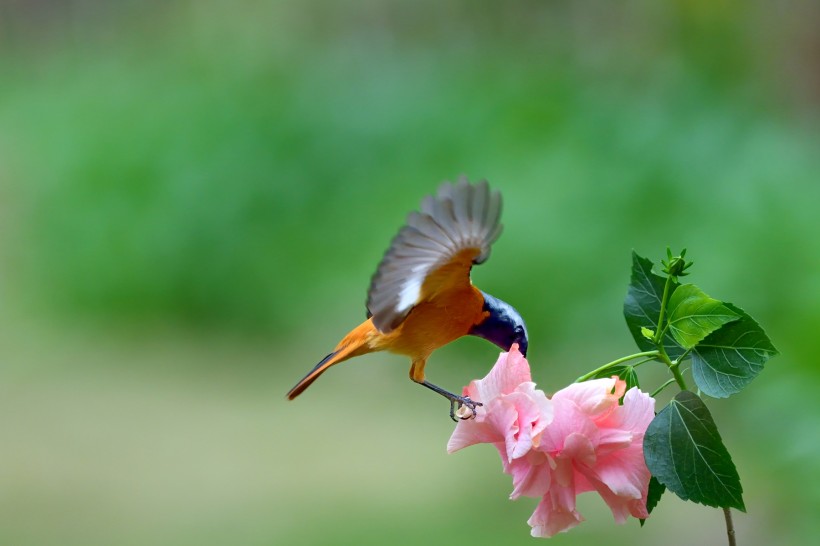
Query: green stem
[(615, 363), (644, 361), (685, 354), (659, 389), (674, 367), (660, 329), (730, 526)]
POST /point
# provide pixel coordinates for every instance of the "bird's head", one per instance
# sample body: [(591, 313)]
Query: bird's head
[(503, 326)]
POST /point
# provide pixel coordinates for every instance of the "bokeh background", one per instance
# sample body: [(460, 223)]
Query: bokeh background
[(193, 196)]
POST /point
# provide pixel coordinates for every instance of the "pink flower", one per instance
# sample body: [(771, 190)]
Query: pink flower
[(580, 440)]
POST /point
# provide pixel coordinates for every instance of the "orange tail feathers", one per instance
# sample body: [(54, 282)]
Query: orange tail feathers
[(358, 342)]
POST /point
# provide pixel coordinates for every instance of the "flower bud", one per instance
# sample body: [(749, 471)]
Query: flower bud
[(676, 266)]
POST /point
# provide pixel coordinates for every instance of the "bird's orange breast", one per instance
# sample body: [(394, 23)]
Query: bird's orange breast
[(436, 322)]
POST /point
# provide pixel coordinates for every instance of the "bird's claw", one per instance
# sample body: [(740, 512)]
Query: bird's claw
[(458, 402)]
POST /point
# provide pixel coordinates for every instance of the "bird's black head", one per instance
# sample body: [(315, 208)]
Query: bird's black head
[(504, 325)]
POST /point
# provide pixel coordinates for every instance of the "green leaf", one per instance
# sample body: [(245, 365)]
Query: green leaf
[(647, 333), (684, 451), (693, 315), (627, 373), (656, 490), (642, 306), (728, 359)]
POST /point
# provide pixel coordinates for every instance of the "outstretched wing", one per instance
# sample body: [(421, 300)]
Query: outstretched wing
[(435, 249)]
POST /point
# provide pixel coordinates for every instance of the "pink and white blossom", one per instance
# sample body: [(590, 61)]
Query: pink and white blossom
[(579, 440)]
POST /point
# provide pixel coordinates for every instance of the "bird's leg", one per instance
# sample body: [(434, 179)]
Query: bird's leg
[(456, 401)]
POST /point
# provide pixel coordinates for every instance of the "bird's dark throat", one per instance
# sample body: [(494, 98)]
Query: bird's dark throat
[(502, 325)]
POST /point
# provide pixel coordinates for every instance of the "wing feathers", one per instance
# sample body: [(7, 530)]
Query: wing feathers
[(461, 216)]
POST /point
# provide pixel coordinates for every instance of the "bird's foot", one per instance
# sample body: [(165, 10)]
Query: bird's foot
[(463, 407), (460, 406)]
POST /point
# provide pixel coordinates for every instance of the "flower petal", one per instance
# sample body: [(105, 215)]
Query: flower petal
[(531, 475), (634, 415), (555, 513), (622, 506), (567, 419), (503, 417), (624, 472), (470, 432), (595, 397), (578, 447), (532, 413), (510, 370), (546, 411)]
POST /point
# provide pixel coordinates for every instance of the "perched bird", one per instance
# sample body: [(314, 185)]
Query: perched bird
[(421, 297)]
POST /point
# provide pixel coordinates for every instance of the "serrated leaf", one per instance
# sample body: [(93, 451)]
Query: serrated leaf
[(627, 373), (684, 451), (642, 306), (693, 315), (730, 358), (656, 490)]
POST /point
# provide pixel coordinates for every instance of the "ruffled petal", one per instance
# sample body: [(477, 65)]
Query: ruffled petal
[(568, 418), (624, 472), (530, 413), (503, 417), (555, 513), (596, 398), (621, 506), (510, 370), (531, 475), (578, 447), (613, 439), (545, 409), (470, 432)]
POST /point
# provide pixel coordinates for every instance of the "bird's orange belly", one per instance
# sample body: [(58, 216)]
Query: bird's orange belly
[(436, 323)]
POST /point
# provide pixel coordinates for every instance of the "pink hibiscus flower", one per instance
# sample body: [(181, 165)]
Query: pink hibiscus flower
[(580, 440)]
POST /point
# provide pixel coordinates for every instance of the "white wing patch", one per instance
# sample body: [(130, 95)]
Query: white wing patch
[(459, 217), (410, 293)]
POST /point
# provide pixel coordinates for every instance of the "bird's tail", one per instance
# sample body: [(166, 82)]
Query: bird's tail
[(357, 342)]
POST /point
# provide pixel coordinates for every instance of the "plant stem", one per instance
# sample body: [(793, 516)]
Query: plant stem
[(730, 526), (674, 367), (644, 361), (615, 363), (659, 389), (660, 329)]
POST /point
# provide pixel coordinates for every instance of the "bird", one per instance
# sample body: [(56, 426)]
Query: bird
[(421, 296)]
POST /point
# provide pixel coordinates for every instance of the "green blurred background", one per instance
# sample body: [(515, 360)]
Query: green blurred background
[(193, 196)]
